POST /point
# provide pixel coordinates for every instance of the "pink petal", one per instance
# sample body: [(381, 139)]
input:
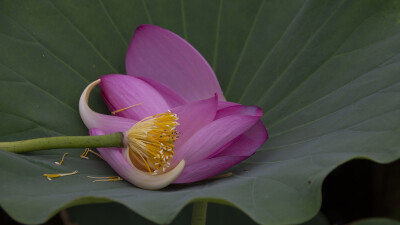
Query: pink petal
[(207, 168), (255, 135), (251, 139), (120, 91), (240, 149), (224, 104), (247, 143), (239, 110), (161, 55), (117, 161), (171, 97), (109, 124), (193, 116), (212, 137)]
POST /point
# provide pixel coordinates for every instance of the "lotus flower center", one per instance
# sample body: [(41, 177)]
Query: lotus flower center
[(151, 142)]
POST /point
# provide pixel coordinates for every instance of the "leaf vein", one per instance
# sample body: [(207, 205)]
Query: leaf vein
[(217, 36), (112, 23), (309, 41), (333, 132), (314, 71), (39, 88), (32, 121), (48, 50), (334, 91), (238, 63), (267, 56), (146, 10), (185, 35), (84, 37)]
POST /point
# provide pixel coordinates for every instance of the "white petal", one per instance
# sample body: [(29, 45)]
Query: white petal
[(107, 123), (125, 169)]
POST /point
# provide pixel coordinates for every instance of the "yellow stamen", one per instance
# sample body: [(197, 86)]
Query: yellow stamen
[(123, 109), (49, 176), (62, 159), (86, 152), (221, 176), (95, 153), (151, 142), (112, 178)]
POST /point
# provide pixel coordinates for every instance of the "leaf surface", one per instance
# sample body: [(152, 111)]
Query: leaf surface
[(326, 74)]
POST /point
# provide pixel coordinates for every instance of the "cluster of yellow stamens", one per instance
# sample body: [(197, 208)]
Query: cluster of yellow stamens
[(151, 142)]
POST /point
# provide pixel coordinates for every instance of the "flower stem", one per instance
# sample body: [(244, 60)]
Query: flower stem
[(109, 140), (199, 213)]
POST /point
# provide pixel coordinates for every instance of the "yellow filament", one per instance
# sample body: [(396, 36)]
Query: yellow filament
[(49, 176), (151, 141), (62, 159), (86, 152), (112, 178), (123, 109), (95, 153), (221, 176)]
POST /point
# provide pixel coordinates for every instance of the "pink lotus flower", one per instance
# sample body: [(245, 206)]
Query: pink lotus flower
[(167, 76)]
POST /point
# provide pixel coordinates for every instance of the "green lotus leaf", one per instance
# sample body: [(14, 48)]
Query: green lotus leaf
[(325, 72)]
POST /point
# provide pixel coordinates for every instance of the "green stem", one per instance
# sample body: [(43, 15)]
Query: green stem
[(199, 213), (109, 140)]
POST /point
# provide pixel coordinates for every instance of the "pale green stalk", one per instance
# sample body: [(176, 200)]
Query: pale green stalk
[(109, 140), (199, 213)]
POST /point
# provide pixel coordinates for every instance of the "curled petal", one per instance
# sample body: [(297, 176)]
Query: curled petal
[(139, 178), (207, 168), (248, 142), (224, 104), (161, 55), (213, 137), (238, 150), (193, 116), (239, 110), (109, 124), (121, 91)]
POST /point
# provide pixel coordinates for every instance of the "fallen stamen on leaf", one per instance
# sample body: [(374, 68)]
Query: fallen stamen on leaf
[(62, 159), (221, 176), (49, 176), (123, 109), (95, 153), (112, 178), (86, 152)]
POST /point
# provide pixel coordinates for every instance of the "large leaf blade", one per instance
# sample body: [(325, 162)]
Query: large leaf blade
[(325, 73)]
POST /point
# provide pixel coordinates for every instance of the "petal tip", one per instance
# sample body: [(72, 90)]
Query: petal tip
[(156, 182), (259, 112), (85, 111), (147, 181), (154, 52), (149, 26)]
